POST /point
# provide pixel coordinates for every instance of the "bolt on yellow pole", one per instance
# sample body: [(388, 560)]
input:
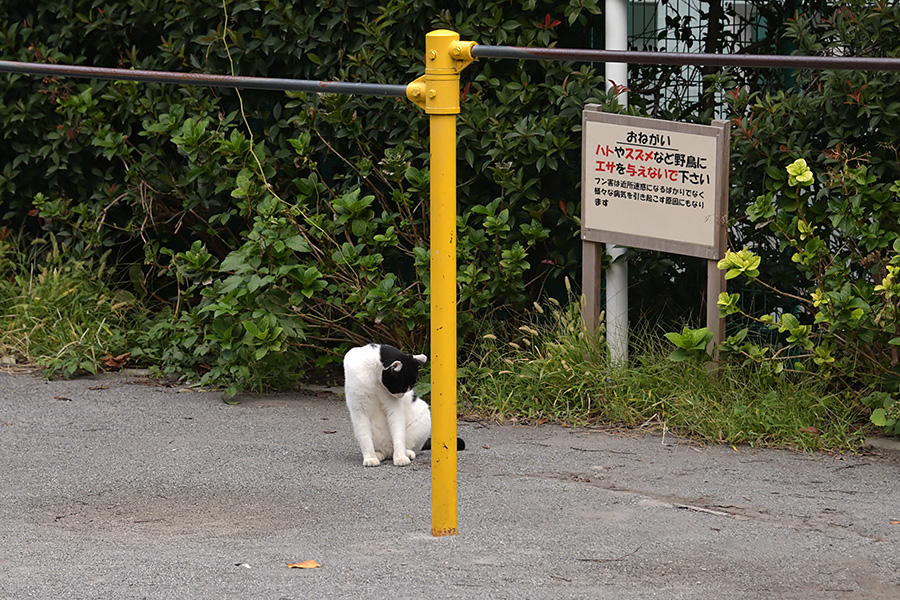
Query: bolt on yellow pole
[(438, 93)]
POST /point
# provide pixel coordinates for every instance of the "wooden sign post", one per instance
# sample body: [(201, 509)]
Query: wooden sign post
[(656, 185)]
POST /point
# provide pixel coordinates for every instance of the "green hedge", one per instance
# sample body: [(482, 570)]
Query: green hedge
[(291, 222), (816, 200)]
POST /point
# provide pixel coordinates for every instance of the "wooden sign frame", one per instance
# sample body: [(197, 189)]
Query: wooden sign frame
[(656, 185)]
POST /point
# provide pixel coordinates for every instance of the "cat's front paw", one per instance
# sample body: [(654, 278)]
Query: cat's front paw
[(371, 461), (401, 460), (410, 454)]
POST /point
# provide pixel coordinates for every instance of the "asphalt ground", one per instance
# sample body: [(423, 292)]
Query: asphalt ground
[(121, 488)]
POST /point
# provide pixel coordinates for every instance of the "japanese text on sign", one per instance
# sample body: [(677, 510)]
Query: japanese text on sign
[(626, 163)]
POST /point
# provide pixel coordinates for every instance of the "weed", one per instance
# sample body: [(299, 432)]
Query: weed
[(60, 316), (552, 371)]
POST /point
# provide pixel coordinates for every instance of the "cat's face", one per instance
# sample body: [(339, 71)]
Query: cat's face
[(399, 369)]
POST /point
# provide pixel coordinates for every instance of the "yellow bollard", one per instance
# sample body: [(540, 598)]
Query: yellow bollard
[(443, 326), (438, 93)]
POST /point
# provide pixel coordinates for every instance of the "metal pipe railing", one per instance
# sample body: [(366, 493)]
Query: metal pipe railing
[(856, 63), (792, 61), (205, 79)]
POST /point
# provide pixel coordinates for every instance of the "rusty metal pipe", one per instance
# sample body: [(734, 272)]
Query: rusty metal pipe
[(856, 63), (204, 79)]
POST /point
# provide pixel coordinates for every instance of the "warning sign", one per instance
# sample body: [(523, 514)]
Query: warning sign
[(654, 184)]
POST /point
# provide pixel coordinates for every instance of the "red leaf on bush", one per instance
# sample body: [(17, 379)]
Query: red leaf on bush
[(464, 92), (549, 23)]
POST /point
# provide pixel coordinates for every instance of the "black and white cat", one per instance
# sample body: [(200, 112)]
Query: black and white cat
[(389, 419)]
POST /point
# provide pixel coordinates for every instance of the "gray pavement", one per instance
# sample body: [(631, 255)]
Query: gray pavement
[(114, 488)]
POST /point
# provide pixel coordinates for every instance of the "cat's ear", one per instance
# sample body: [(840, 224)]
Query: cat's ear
[(420, 357), (396, 366)]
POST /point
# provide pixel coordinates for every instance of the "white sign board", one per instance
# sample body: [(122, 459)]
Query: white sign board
[(652, 184)]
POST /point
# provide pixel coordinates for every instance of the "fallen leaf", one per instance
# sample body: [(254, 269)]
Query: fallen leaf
[(62, 398), (895, 522), (116, 363), (306, 564), (809, 430)]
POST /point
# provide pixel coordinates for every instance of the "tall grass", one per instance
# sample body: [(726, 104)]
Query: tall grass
[(60, 314), (552, 371)]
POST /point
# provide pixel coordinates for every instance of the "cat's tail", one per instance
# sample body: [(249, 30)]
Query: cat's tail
[(460, 444)]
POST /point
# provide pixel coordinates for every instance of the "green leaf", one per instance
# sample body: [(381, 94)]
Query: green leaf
[(673, 337), (680, 354), (298, 243), (235, 261), (251, 328), (879, 417), (256, 282), (788, 322)]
